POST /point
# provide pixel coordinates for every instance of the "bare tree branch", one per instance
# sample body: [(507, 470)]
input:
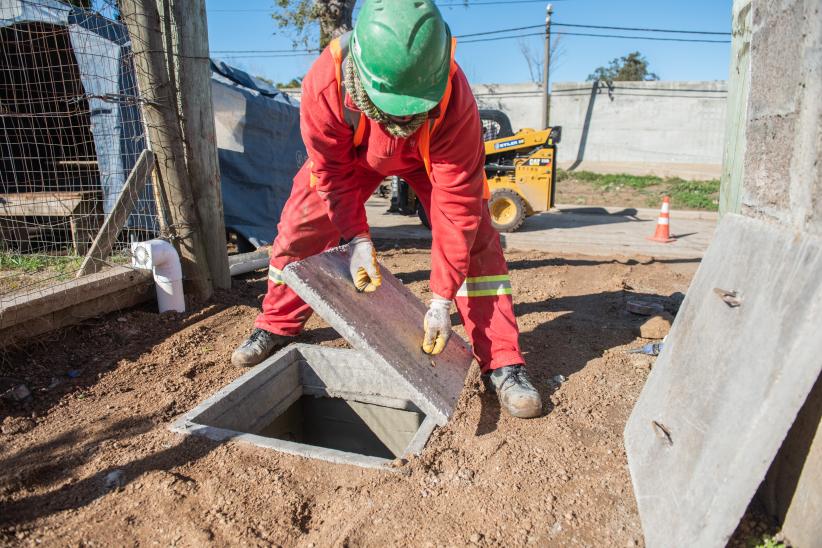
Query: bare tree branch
[(535, 57), (299, 18)]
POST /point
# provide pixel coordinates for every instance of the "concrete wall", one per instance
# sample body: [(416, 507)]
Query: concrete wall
[(667, 128), (521, 102), (780, 182), (641, 122), (782, 174)]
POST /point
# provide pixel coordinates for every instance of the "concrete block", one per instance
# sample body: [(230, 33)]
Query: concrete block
[(317, 402), (386, 327), (728, 384)]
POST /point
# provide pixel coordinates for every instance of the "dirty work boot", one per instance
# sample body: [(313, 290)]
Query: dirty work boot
[(516, 393), (257, 347)]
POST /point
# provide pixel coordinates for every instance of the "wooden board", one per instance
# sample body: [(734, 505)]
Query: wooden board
[(114, 223), (28, 315), (42, 204)]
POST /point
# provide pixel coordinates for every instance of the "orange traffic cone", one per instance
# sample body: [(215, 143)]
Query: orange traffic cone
[(663, 224)]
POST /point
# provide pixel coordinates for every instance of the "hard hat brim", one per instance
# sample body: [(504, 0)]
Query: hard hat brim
[(402, 105)]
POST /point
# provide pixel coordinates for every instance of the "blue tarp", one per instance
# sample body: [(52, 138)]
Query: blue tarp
[(260, 150)]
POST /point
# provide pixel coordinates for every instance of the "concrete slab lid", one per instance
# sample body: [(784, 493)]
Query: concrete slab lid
[(728, 384), (386, 326)]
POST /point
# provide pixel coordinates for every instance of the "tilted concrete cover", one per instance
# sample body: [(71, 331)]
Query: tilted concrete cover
[(386, 326), (726, 388)]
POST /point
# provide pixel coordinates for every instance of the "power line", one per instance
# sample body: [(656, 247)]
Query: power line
[(443, 5), (265, 56), (292, 51), (553, 24), (493, 3), (305, 52), (500, 31), (529, 27), (590, 27), (656, 38)]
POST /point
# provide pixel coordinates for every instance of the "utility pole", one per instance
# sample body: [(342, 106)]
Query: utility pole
[(194, 78), (142, 18), (546, 97)]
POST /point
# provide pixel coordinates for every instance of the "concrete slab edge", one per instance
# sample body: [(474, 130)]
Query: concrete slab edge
[(431, 404)]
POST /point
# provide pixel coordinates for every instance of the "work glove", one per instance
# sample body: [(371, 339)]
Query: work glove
[(364, 270), (436, 326)]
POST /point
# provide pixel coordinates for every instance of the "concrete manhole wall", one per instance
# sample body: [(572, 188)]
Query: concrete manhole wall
[(316, 402)]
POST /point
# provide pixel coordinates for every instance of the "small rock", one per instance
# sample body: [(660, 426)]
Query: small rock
[(396, 463), (631, 543), (644, 308), (20, 392), (16, 425), (557, 380), (122, 319), (115, 480), (466, 474), (475, 538), (656, 327)]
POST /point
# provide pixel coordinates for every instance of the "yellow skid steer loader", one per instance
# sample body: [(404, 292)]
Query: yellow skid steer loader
[(521, 173)]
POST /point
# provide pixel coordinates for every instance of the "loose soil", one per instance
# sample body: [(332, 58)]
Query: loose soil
[(105, 392)]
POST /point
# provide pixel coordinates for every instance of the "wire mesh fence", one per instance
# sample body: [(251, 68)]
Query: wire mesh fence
[(71, 132)]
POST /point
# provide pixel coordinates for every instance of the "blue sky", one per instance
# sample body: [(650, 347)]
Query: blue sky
[(247, 25)]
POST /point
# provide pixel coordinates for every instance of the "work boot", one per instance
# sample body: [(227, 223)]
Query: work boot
[(516, 393), (257, 347)]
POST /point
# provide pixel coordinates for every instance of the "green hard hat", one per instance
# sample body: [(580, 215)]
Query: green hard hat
[(402, 51)]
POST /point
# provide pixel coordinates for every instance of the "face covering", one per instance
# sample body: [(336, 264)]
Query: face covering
[(353, 86)]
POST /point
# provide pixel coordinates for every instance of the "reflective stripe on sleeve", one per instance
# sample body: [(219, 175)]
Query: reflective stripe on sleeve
[(275, 275), (485, 286)]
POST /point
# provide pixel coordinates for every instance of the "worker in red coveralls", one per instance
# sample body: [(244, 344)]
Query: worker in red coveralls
[(388, 99)]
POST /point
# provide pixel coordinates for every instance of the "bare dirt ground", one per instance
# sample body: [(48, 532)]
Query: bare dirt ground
[(485, 479)]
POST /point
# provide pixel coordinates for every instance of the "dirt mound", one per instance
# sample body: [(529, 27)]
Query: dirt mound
[(103, 394)]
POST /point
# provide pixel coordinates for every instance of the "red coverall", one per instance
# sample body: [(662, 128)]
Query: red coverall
[(467, 263)]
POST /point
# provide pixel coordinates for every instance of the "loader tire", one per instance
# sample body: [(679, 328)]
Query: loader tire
[(423, 216), (507, 210)]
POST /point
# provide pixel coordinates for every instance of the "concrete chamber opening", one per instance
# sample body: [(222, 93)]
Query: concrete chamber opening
[(346, 425), (316, 402), (365, 406)]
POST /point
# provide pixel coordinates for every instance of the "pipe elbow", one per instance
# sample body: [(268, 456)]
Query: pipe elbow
[(162, 259), (166, 261)]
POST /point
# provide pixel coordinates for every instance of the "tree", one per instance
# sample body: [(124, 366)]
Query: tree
[(299, 18), (535, 57), (294, 83), (631, 68)]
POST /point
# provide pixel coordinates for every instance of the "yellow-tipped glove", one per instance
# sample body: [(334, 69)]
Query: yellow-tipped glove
[(436, 326), (364, 270)]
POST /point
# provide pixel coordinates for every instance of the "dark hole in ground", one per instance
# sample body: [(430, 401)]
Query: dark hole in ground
[(350, 426)]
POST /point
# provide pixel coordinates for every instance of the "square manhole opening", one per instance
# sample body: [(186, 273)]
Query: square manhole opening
[(316, 402)]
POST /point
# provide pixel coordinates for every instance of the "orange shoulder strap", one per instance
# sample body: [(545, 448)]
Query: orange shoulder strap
[(425, 136), (338, 56), (446, 97)]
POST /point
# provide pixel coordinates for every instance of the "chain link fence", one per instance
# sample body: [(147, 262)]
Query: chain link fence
[(71, 132)]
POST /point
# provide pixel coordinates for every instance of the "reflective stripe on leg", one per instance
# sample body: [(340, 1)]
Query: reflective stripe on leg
[(275, 275), (485, 286)]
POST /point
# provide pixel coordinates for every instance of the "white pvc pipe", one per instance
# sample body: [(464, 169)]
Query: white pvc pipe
[(161, 258)]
